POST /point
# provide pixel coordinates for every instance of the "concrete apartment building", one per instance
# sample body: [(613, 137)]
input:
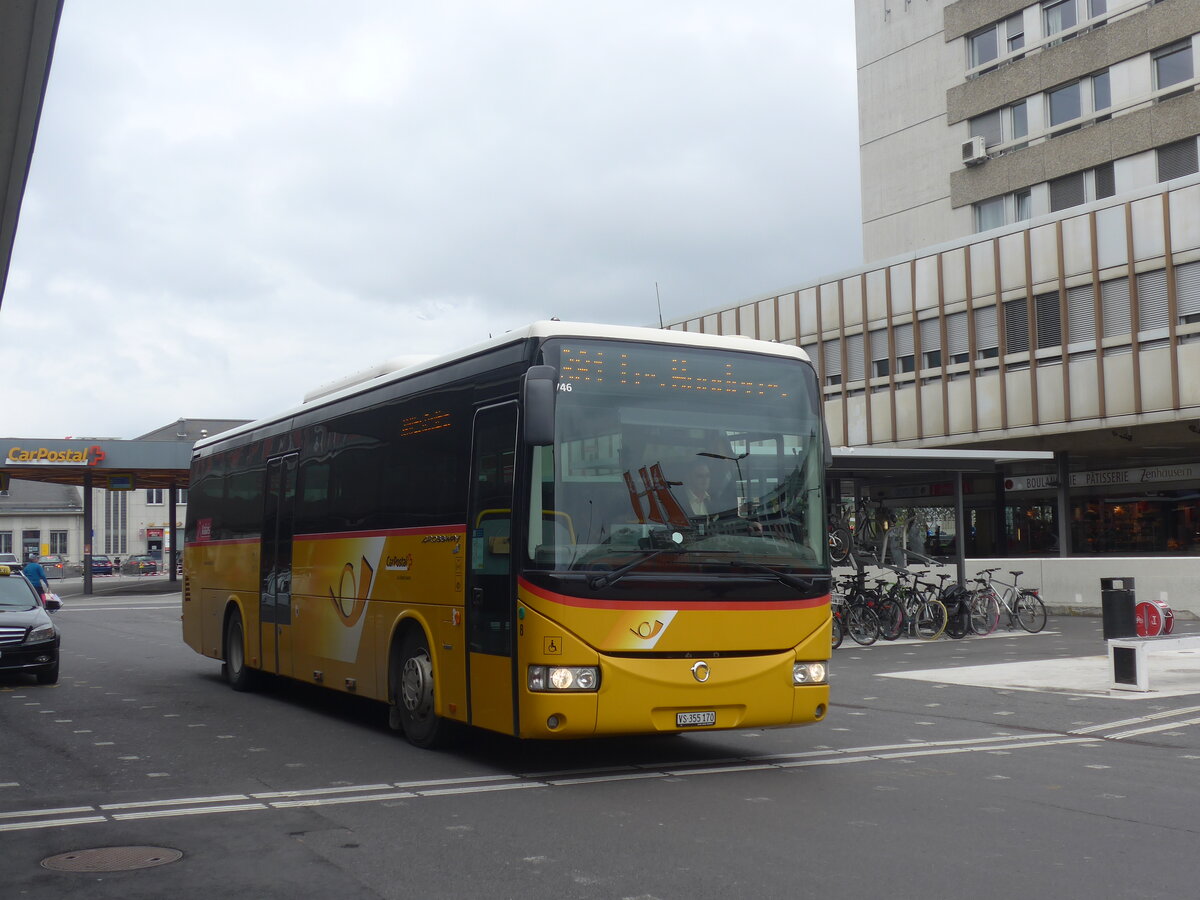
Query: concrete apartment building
[(1031, 225)]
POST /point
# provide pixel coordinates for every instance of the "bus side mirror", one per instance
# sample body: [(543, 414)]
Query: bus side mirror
[(538, 405)]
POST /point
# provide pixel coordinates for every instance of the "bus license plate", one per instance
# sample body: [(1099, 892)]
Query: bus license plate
[(692, 719)]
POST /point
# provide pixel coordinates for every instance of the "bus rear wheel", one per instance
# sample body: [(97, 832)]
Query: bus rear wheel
[(411, 706), (236, 672)]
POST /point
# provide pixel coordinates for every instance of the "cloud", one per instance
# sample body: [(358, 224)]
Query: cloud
[(232, 203)]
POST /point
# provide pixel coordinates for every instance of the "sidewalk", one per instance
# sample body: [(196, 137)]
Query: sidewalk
[(125, 585)]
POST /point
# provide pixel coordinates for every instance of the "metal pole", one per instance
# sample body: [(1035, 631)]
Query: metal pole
[(1062, 458), (960, 527), (88, 531), (171, 528)]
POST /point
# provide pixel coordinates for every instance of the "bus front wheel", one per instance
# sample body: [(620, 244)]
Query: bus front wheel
[(412, 692), (237, 673)]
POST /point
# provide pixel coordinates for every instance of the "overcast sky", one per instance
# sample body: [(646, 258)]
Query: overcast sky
[(231, 203)]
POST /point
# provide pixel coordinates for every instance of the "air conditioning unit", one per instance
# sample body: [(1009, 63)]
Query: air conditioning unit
[(974, 151)]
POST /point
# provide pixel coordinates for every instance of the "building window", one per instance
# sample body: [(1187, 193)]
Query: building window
[(181, 496), (1018, 119), (982, 47), (1097, 8), (116, 522), (833, 362), (1172, 65), (58, 542), (989, 214), (1106, 181), (154, 496), (1049, 321), (989, 127), (1176, 160), (1059, 15), (1023, 205), (1067, 191), (1016, 326), (6, 542), (902, 335), (1014, 29), (1101, 91), (1064, 104)]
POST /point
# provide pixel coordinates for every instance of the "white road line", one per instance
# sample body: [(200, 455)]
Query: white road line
[(435, 782), (333, 801), (48, 812), (280, 795), (194, 811), (228, 798), (1182, 711), (227, 803), (57, 823), (76, 609), (482, 788), (1151, 728)]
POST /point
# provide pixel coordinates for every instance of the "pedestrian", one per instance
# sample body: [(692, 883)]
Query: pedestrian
[(37, 576)]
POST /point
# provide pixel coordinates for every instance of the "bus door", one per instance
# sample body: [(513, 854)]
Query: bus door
[(275, 569), (489, 600)]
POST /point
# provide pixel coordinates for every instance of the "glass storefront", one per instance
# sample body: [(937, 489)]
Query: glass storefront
[(1143, 510)]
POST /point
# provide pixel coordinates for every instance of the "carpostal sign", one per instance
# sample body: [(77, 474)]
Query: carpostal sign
[(46, 456)]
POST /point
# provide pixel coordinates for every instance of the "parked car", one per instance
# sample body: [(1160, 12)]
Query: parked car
[(102, 565), (56, 566), (11, 560), (139, 565), (28, 639)]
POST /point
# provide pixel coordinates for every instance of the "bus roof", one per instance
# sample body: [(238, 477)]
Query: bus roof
[(386, 373)]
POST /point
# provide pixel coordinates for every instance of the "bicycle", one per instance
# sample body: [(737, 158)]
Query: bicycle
[(1023, 606), (853, 614), (924, 615)]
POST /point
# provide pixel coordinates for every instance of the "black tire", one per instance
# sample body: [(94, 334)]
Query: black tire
[(891, 619), (862, 624), (839, 545), (411, 693), (958, 622), (984, 612), (931, 619), (1031, 612), (240, 676), (48, 675), (837, 632)]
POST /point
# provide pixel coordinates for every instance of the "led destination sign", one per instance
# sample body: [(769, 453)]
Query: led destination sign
[(625, 366)]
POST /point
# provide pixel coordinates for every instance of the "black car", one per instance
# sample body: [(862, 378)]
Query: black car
[(28, 639), (140, 565)]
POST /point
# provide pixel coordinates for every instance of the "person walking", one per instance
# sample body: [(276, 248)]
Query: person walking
[(37, 576)]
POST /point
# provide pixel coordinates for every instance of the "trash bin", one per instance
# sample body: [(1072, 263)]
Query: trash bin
[(1118, 608)]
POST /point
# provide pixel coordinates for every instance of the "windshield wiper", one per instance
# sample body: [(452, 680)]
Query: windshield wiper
[(599, 582), (816, 584)]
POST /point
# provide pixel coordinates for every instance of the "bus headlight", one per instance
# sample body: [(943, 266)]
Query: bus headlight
[(809, 673), (564, 678)]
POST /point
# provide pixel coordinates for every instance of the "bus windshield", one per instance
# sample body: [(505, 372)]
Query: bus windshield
[(678, 460)]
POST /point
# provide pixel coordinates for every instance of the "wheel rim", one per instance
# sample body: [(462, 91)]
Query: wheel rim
[(235, 654), (416, 686)]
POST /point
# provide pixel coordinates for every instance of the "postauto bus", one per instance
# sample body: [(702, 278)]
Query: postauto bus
[(568, 531)]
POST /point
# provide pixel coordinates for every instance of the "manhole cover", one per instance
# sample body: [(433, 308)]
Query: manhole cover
[(111, 859)]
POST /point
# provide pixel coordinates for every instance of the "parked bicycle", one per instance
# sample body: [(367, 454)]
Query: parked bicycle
[(1022, 606)]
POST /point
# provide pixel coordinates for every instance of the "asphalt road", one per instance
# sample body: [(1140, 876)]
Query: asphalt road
[(917, 785)]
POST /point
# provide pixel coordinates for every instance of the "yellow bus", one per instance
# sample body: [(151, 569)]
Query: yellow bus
[(568, 531)]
